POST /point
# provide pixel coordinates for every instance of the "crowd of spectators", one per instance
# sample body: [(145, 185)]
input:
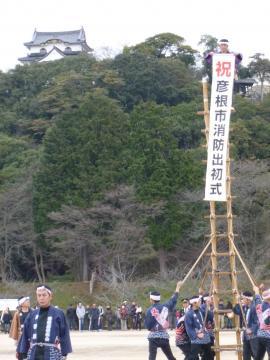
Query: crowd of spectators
[(96, 317)]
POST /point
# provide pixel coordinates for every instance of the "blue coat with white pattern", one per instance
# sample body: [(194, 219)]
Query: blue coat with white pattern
[(57, 340)]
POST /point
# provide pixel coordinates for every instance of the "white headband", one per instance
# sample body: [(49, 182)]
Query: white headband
[(44, 288), (192, 301), (205, 298), (155, 297), (22, 300)]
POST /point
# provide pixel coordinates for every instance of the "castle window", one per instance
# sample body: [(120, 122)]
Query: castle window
[(68, 49), (43, 51)]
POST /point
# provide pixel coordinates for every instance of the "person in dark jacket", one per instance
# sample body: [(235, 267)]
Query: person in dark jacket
[(262, 304), (156, 321), (138, 318), (195, 323), (45, 333), (132, 314), (87, 317), (71, 317), (18, 320), (181, 337), (6, 319), (94, 316), (109, 318), (249, 322), (223, 45)]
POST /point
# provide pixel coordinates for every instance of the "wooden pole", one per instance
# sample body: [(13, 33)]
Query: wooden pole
[(230, 238), (196, 263), (215, 282), (244, 265)]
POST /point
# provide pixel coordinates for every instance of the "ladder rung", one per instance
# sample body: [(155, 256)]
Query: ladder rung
[(220, 291), (223, 311), (224, 272), (227, 216), (224, 216), (234, 329), (221, 236), (227, 161), (205, 131), (220, 254), (238, 348), (237, 330), (229, 145), (203, 112)]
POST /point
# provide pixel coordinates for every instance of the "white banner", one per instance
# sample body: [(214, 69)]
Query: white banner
[(12, 304), (220, 112)]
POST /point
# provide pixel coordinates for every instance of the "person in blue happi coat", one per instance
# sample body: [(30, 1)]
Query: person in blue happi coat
[(156, 321), (195, 323), (46, 333), (249, 323)]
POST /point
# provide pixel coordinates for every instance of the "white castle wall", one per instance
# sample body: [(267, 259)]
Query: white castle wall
[(59, 45)]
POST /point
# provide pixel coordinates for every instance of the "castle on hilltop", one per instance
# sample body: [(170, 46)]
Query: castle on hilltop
[(48, 46)]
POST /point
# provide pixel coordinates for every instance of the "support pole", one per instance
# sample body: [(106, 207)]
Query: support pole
[(196, 263)]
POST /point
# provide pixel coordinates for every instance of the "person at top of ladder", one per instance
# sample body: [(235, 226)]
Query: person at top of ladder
[(223, 45)]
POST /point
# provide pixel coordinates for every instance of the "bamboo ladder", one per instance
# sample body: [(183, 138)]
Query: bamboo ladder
[(217, 257)]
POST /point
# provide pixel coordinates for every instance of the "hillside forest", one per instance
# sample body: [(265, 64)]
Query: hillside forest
[(101, 169)]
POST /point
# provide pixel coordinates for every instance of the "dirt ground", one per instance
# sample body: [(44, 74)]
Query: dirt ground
[(115, 345)]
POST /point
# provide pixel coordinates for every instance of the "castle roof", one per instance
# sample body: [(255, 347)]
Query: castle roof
[(70, 37), (36, 57)]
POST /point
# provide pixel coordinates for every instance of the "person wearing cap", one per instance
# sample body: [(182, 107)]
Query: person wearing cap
[(185, 306), (223, 45), (249, 322), (262, 304), (156, 321), (46, 333), (18, 322), (195, 320)]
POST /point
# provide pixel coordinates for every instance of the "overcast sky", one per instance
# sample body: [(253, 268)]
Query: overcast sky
[(115, 23)]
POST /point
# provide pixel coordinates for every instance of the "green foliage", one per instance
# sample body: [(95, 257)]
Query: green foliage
[(15, 156), (84, 126), (169, 226), (145, 78), (165, 45), (260, 67), (161, 162), (209, 43), (83, 155), (251, 129)]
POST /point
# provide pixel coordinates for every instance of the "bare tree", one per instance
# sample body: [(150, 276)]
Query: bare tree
[(260, 67), (107, 239), (253, 212), (16, 229)]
